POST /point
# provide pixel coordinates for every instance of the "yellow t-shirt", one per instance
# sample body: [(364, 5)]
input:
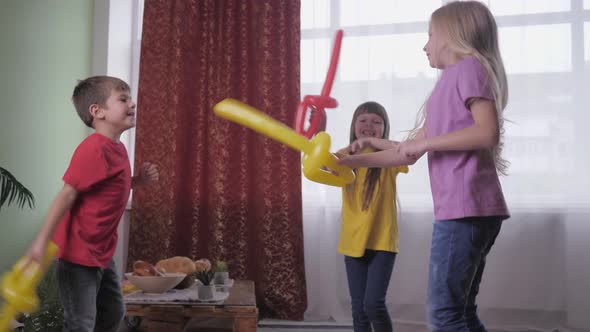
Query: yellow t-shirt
[(376, 227)]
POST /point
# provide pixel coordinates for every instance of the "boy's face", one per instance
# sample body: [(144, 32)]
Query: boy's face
[(119, 112)]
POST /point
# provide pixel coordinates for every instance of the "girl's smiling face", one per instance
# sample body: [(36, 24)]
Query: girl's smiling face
[(369, 125)]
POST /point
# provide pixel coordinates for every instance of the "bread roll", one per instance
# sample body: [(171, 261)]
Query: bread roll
[(145, 269), (203, 264), (178, 264)]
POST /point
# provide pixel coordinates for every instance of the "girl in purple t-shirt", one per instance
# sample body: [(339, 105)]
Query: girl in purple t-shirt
[(461, 131)]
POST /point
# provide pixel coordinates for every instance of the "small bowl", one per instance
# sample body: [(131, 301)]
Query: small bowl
[(156, 284)]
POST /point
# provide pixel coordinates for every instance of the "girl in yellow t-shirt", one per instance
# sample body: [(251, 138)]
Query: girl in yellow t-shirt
[(369, 233)]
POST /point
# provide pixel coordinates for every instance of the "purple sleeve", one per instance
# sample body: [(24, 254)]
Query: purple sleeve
[(473, 81)]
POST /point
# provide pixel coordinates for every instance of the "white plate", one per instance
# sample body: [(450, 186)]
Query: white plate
[(228, 283), (188, 295), (155, 284), (217, 297)]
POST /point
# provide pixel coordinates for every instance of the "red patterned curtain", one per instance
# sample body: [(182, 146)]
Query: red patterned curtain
[(225, 192)]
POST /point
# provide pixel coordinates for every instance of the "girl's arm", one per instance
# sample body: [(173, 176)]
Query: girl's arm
[(484, 133), (383, 144), (385, 158), (372, 142), (421, 134), (389, 157)]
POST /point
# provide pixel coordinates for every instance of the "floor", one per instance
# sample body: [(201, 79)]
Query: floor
[(287, 326)]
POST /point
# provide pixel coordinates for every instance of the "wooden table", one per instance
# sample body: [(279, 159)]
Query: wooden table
[(239, 306)]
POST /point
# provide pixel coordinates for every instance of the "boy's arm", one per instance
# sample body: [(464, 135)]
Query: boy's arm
[(61, 203)]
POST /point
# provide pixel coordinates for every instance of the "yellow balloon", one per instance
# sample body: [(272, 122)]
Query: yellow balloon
[(19, 287), (318, 163)]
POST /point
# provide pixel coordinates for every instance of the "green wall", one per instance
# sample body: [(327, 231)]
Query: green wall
[(45, 47)]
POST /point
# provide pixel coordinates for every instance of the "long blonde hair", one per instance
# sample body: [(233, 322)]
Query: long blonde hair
[(472, 31)]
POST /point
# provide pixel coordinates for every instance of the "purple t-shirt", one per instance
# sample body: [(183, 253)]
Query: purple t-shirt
[(463, 183)]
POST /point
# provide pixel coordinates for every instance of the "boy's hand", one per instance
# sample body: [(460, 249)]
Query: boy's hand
[(148, 172), (34, 254)]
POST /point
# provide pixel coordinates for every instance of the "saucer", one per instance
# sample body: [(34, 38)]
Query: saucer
[(224, 287), (217, 297)]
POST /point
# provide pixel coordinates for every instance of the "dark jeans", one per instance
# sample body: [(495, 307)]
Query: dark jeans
[(457, 261), (91, 297), (368, 279)]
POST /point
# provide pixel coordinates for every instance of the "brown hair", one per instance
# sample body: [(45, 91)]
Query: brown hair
[(373, 174), (95, 90)]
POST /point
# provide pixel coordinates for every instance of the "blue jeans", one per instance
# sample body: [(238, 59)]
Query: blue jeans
[(91, 297), (368, 279), (457, 260)]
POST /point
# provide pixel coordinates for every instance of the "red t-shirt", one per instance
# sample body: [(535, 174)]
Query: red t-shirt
[(100, 171)]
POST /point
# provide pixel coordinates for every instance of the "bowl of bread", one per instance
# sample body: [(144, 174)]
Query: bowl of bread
[(179, 264), (151, 279)]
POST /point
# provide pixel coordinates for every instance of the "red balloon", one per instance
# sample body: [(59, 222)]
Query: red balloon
[(318, 104)]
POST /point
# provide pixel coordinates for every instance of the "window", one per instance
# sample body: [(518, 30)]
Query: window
[(545, 46), (377, 12), (318, 14), (536, 48), (519, 7)]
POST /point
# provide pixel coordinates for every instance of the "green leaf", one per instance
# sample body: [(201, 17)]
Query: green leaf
[(49, 317), (13, 191)]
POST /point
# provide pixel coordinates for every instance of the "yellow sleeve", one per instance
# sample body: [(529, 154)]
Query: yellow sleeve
[(402, 169)]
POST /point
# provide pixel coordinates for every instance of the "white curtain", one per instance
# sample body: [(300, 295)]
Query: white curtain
[(538, 275)]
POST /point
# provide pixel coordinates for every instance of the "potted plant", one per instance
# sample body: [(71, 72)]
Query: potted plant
[(12, 190), (205, 275), (221, 273), (49, 317)]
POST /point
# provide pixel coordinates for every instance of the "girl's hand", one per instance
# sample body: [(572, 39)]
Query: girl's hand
[(361, 144), (340, 155), (414, 149), (344, 159), (148, 172)]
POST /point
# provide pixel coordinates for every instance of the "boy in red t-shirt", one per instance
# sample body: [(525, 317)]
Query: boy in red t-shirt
[(84, 216)]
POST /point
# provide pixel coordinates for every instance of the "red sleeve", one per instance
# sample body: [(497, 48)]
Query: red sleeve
[(87, 167)]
